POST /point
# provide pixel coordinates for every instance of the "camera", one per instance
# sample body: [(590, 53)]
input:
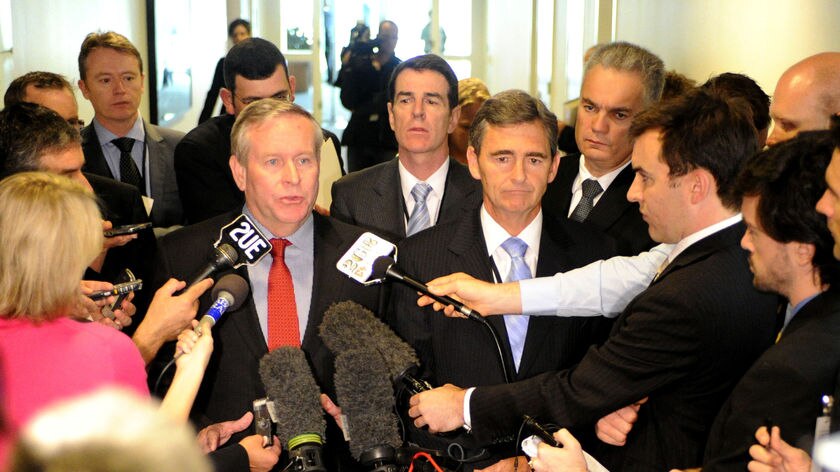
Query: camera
[(365, 48)]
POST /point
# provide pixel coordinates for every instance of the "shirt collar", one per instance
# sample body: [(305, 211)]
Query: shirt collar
[(437, 180), (495, 235), (604, 180), (137, 132), (303, 238), (697, 236)]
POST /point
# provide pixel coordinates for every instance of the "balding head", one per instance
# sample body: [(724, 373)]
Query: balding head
[(806, 96)]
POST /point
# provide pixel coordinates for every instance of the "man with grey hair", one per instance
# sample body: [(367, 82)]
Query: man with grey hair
[(513, 153), (806, 96), (620, 80), (276, 151)]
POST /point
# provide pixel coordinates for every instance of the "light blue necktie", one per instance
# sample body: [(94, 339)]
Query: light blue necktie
[(517, 325), (419, 219)]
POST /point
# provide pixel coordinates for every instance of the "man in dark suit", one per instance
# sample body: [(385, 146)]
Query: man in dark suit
[(790, 254), (685, 341), (120, 203), (253, 69), (620, 80), (276, 147), (423, 184), (118, 143), (514, 156)]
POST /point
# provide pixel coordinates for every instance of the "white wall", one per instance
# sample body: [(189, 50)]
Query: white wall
[(760, 38), (48, 34), (508, 45)]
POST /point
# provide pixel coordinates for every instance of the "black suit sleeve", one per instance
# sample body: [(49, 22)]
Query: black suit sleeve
[(202, 181), (213, 93), (339, 207), (649, 350)]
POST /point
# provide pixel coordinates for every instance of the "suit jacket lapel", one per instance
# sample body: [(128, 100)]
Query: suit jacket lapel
[(566, 174), (701, 249), (469, 254), (247, 322), (388, 189), (325, 277), (157, 168), (94, 158), (613, 203), (460, 187)]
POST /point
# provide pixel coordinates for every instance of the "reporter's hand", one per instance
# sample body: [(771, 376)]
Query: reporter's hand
[(115, 241), (168, 315), (87, 309), (261, 458), (569, 457), (332, 409), (614, 428), (774, 454), (484, 297), (441, 409), (217, 434), (195, 350)]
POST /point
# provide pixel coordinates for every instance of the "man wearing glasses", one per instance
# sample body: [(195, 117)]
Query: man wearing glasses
[(253, 69), (120, 203)]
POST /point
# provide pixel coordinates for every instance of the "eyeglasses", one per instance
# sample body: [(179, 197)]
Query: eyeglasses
[(284, 95), (76, 123)]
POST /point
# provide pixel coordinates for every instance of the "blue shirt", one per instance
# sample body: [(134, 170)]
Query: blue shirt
[(112, 152)]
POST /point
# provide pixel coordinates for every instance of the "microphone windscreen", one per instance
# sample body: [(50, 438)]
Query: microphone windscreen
[(288, 381), (365, 393), (236, 286), (381, 266), (345, 323)]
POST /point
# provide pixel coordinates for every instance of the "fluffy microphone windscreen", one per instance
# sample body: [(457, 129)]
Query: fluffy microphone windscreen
[(289, 383), (346, 323), (365, 394)]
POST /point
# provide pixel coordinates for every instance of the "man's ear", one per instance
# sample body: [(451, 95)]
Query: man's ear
[(240, 174), (391, 115), (83, 88), (227, 100), (701, 183), (472, 163)]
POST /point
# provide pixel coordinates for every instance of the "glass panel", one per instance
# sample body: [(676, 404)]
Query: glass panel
[(545, 50), (456, 21), (297, 23)]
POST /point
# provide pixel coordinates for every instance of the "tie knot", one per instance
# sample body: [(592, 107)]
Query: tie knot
[(591, 188), (278, 247), (420, 191), (124, 144), (515, 247)]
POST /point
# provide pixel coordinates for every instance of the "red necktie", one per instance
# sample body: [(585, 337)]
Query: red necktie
[(282, 309)]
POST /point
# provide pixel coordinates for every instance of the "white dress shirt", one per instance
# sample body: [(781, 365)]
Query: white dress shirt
[(438, 182), (583, 173)]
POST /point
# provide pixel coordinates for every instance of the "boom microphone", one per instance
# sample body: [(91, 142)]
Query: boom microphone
[(386, 267), (240, 242), (288, 381), (365, 394), (346, 322)]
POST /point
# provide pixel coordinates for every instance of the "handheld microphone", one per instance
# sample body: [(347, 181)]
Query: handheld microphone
[(229, 293), (223, 257), (240, 242), (386, 267), (357, 262), (289, 383), (365, 393)]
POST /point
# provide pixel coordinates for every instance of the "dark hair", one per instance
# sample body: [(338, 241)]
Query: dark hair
[(733, 85), (513, 107), (238, 22), (835, 130), (16, 93), (676, 84), (427, 62), (253, 59), (788, 180), (703, 130), (110, 40), (27, 132)]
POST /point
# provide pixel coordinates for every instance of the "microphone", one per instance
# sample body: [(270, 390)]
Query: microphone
[(288, 381), (229, 293), (223, 257), (386, 267), (240, 242), (346, 322), (365, 394)]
